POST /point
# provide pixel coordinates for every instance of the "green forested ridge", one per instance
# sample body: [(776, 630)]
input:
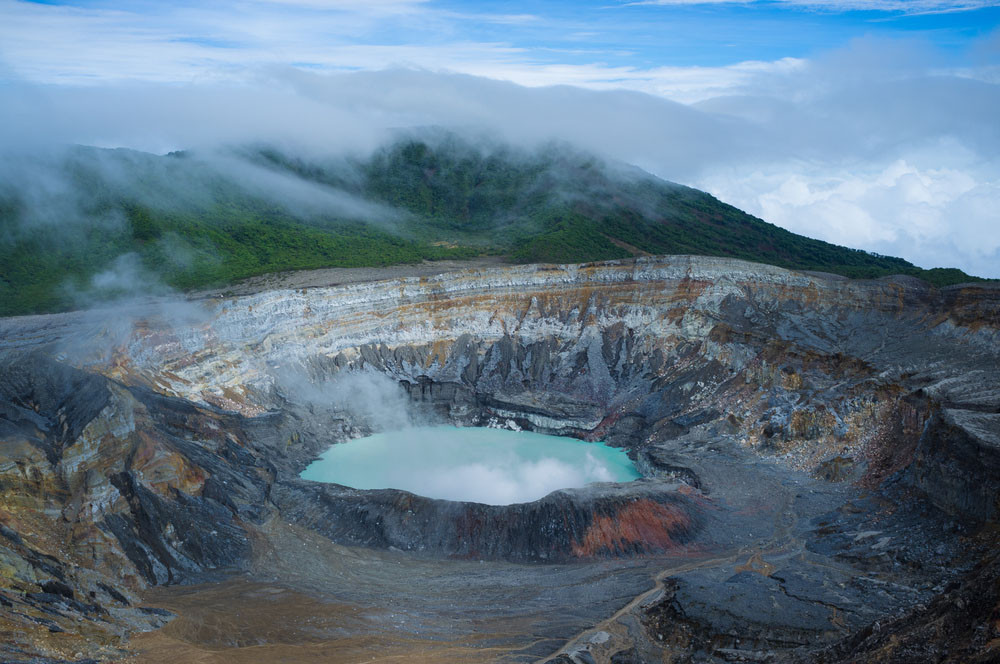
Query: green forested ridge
[(185, 221)]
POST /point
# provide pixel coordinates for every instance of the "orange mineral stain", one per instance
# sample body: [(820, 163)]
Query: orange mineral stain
[(643, 524)]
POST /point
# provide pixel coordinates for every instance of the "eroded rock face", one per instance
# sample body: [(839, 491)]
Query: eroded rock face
[(825, 429)]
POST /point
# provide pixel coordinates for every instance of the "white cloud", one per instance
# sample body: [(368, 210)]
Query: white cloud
[(682, 84), (873, 150), (96, 46), (350, 5), (936, 217), (902, 6)]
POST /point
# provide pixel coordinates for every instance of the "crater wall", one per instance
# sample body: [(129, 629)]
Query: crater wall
[(831, 375)]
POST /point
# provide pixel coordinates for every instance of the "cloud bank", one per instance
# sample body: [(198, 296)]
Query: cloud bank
[(881, 145)]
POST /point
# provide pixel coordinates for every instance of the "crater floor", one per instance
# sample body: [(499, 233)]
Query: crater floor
[(819, 461)]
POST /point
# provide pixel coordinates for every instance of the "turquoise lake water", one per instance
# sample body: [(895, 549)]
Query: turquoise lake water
[(492, 466)]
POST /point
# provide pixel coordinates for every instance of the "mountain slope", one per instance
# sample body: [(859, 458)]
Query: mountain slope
[(91, 223)]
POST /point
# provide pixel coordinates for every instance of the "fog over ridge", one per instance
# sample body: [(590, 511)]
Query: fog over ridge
[(897, 159)]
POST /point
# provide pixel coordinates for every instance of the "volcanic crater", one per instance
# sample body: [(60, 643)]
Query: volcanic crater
[(819, 460)]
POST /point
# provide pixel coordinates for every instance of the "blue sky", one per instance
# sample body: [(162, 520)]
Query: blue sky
[(586, 42), (866, 123), (716, 33)]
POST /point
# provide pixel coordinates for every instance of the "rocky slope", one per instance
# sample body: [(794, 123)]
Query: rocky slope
[(820, 457)]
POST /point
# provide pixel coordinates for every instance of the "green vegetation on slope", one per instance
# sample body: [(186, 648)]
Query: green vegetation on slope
[(96, 223), (565, 207)]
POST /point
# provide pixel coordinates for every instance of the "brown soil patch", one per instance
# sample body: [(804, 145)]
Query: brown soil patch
[(245, 622)]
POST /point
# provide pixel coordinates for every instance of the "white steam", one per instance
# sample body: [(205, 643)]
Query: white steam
[(373, 399), (126, 276), (468, 464), (93, 336)]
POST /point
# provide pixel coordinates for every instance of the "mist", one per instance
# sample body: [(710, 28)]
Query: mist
[(108, 324), (370, 399), (878, 145), (410, 449), (64, 187)]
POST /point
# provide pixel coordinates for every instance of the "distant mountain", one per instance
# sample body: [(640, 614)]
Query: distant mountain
[(91, 223)]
